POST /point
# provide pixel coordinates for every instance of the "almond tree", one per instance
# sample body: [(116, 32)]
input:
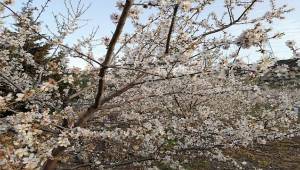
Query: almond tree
[(166, 88)]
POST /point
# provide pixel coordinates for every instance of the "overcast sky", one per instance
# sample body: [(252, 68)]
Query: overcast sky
[(100, 11)]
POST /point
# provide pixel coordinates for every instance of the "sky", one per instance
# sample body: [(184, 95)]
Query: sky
[(98, 15)]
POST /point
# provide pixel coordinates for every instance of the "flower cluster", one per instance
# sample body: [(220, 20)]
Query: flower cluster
[(292, 46), (252, 37)]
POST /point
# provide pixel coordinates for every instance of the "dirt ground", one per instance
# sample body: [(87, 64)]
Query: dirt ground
[(279, 155)]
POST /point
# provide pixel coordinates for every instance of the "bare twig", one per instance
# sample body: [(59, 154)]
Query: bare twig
[(230, 24), (133, 36), (42, 10), (229, 10)]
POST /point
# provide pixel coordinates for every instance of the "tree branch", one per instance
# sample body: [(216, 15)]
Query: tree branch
[(51, 164), (171, 29), (230, 24), (110, 50), (12, 83)]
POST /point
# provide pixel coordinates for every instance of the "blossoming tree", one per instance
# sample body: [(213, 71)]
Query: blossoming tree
[(163, 93)]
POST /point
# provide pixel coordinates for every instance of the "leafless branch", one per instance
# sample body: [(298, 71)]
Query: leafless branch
[(51, 164), (171, 29), (230, 24), (110, 50), (231, 18), (42, 10)]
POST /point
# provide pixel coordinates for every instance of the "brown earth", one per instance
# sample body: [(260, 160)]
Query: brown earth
[(277, 155)]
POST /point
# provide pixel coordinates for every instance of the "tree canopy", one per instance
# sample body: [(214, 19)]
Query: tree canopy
[(163, 94)]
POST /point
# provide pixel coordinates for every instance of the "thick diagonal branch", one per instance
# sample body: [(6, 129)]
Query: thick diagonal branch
[(171, 29), (106, 62), (51, 164)]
